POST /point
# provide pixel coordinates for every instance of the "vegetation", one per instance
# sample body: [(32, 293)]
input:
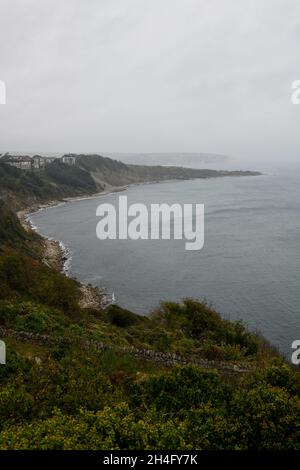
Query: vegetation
[(70, 177), (60, 390), (106, 171)]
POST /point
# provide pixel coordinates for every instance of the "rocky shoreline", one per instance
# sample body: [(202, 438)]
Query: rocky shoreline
[(57, 256), (54, 255)]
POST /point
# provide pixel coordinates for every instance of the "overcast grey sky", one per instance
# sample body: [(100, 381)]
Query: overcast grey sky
[(151, 76)]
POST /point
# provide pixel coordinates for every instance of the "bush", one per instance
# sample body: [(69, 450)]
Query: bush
[(113, 429), (27, 278), (120, 317), (184, 388), (267, 418)]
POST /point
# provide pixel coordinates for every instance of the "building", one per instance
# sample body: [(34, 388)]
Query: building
[(26, 163), (38, 163), (20, 162), (69, 159), (49, 160)]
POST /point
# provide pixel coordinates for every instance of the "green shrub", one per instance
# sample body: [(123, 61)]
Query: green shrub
[(184, 388), (120, 317)]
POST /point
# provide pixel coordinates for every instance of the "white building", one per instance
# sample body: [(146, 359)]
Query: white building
[(69, 159), (23, 163), (38, 163)]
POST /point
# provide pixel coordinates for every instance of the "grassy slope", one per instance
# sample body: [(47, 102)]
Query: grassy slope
[(59, 391), (21, 189)]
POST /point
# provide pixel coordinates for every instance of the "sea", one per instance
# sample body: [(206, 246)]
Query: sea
[(248, 268)]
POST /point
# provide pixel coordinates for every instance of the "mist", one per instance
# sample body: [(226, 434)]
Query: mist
[(133, 76)]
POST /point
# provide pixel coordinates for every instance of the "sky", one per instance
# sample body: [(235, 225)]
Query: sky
[(209, 76)]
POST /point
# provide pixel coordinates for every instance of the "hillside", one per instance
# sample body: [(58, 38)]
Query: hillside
[(105, 378), (21, 189), (108, 172), (91, 174)]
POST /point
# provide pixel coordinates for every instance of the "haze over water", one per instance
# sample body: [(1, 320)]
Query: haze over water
[(248, 268)]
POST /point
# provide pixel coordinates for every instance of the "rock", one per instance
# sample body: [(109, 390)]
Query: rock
[(37, 360)]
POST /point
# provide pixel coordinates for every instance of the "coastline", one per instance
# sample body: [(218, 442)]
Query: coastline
[(59, 254), (56, 255)]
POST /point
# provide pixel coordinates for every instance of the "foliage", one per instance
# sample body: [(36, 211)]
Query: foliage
[(263, 417), (58, 391), (26, 278), (70, 176)]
